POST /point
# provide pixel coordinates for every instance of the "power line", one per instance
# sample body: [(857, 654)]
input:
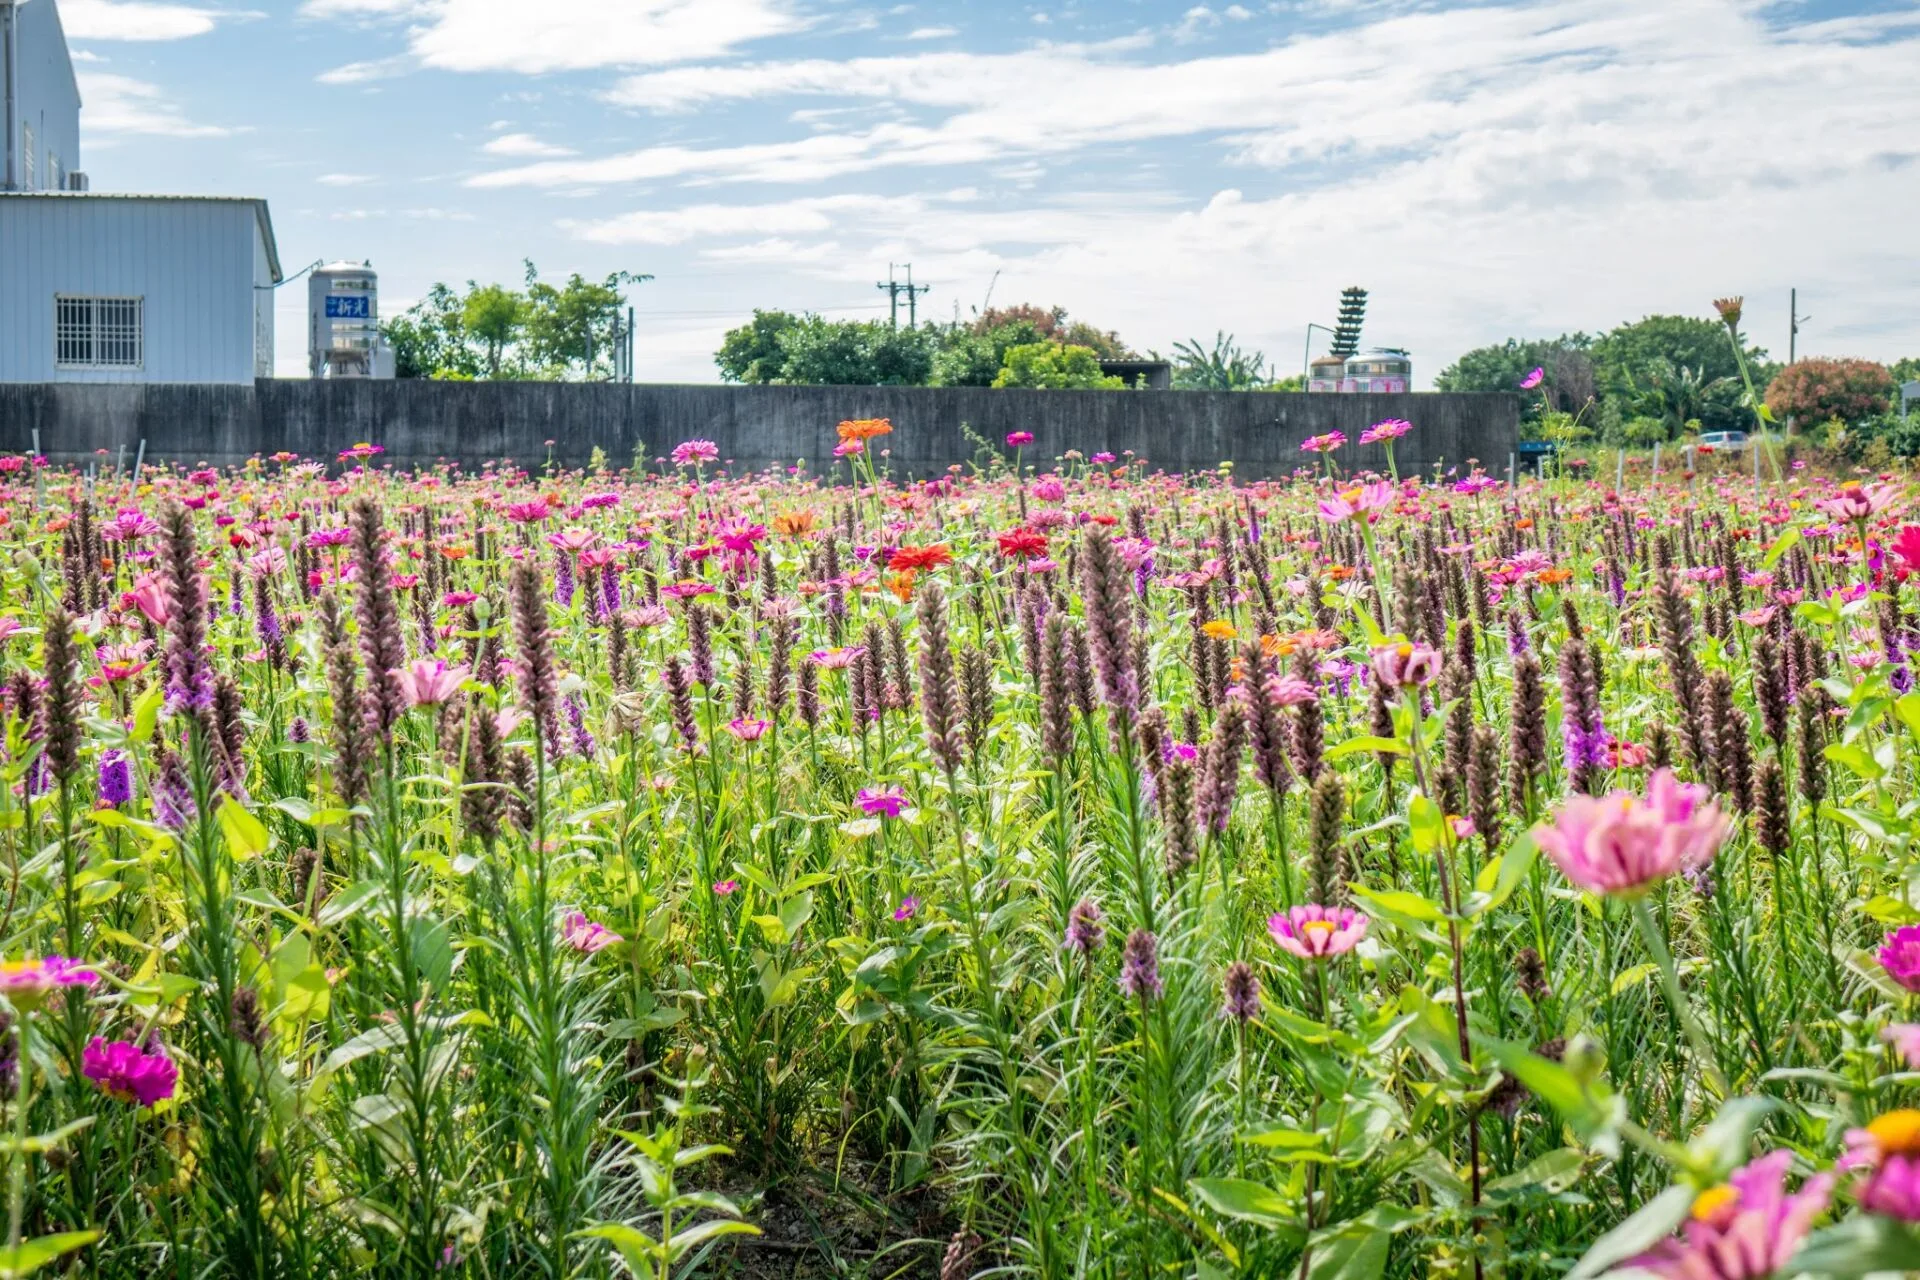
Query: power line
[(894, 288)]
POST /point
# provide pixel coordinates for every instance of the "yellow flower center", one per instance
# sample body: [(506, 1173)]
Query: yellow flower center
[(1714, 1202), (1318, 928), (1897, 1131)]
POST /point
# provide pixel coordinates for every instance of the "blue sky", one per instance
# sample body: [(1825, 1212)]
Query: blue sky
[(1166, 170)]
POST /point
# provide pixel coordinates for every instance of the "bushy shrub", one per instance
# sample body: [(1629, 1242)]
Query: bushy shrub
[(1819, 390)]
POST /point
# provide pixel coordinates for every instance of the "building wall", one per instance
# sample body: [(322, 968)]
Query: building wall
[(424, 422), (193, 262), (48, 99)]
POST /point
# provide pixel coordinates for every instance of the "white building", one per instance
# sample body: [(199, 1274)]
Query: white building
[(98, 287)]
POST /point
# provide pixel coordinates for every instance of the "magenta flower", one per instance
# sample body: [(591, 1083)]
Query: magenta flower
[(27, 983), (1534, 379), (1889, 1148), (1623, 843), (1323, 443), (1017, 438), (1405, 665), (888, 802), (908, 908), (1390, 429), (747, 730), (1363, 499), (1288, 691), (693, 452), (428, 682), (837, 659), (587, 936), (725, 887), (1745, 1229), (1857, 502), (528, 512), (126, 1072), (1314, 932), (1900, 956)]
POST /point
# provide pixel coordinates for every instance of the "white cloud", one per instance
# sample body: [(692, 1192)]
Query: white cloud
[(117, 104), (932, 33), (523, 144), (135, 20), (565, 35), (787, 218), (344, 179)]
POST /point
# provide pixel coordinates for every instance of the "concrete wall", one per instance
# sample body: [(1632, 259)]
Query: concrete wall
[(423, 422)]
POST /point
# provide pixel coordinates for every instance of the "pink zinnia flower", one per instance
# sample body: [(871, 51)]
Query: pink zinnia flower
[(1890, 1148), (747, 730), (27, 983), (1745, 1229), (528, 512), (1288, 691), (428, 682), (725, 887), (837, 659), (693, 452), (888, 802), (1900, 956), (573, 538), (1323, 443), (1622, 843), (1313, 932), (1015, 439), (1857, 502), (128, 1073), (587, 936), (1905, 1039), (1362, 499), (1390, 429), (847, 448), (1405, 665)]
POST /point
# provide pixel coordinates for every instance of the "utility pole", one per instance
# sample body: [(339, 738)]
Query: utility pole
[(1794, 320), (894, 288)]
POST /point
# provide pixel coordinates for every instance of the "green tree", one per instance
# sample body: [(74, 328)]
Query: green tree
[(1566, 361), (1223, 368), (971, 358), (1630, 358), (1055, 367), (429, 339), (1052, 325), (572, 326), (492, 316), (855, 353), (1906, 370), (752, 352)]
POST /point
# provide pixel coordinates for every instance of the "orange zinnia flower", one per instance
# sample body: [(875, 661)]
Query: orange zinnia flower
[(1524, 523), (1219, 629), (1339, 572), (929, 557), (864, 428), (1554, 577), (793, 523), (901, 584)]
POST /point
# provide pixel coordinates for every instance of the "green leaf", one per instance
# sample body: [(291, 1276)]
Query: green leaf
[(1858, 1246), (1402, 902), (638, 1251), (1354, 1250), (386, 1036), (1514, 863), (1654, 1222), (1353, 746), (432, 951), (348, 903), (1855, 758), (146, 713), (1780, 546), (245, 835), (1426, 823), (1634, 977), (1552, 1173), (37, 1253), (712, 1229), (1558, 1087), (1247, 1201)]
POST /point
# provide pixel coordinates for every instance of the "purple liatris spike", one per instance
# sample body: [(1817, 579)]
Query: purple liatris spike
[(1140, 967), (1086, 927), (610, 588), (583, 744), (116, 779), (563, 584), (1240, 992)]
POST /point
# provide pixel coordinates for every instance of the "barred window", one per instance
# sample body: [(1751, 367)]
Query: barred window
[(97, 333)]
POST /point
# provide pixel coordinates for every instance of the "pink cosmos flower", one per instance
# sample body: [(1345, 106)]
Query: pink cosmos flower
[(1534, 379), (428, 682), (888, 802), (126, 1072), (908, 908), (1323, 443), (1390, 429), (1745, 1229), (1314, 932), (1890, 1148), (587, 936), (690, 453), (1622, 843), (747, 730), (1900, 956), (1363, 499)]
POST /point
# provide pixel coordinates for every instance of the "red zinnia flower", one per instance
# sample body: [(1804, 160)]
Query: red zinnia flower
[(913, 558), (1022, 543)]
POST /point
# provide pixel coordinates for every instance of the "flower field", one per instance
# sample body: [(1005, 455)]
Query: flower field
[(1055, 868)]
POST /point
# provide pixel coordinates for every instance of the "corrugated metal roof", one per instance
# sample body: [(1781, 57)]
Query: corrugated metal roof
[(259, 204)]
